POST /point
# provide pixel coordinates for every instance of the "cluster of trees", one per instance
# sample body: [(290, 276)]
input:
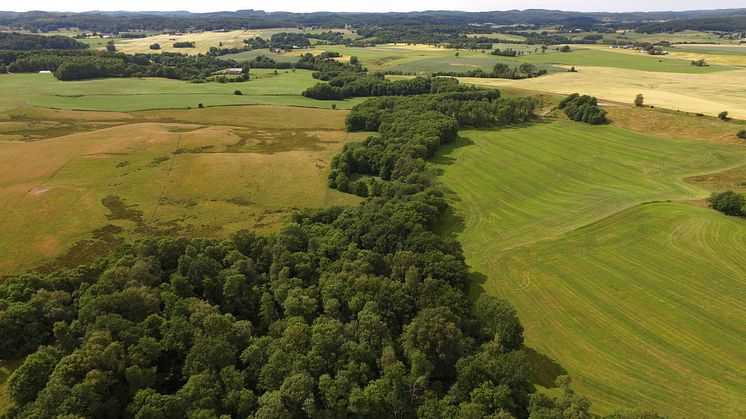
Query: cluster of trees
[(376, 85), (184, 44), (501, 71), (86, 64), (729, 203), (26, 42), (583, 109), (505, 52), (411, 129), (291, 40)]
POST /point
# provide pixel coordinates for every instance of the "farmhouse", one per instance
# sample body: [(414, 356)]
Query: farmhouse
[(233, 71)]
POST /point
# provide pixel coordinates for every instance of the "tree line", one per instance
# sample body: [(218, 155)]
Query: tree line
[(25, 42), (500, 71)]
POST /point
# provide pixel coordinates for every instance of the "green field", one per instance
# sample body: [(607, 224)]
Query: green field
[(129, 94), (460, 64), (640, 303), (250, 55), (606, 57)]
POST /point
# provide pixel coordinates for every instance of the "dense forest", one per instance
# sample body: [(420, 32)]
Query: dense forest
[(26, 42), (86, 64), (117, 22), (723, 24)]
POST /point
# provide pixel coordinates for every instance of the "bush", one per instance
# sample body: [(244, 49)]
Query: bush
[(237, 92), (728, 202), (741, 134), (155, 46), (200, 105), (723, 115), (639, 100)]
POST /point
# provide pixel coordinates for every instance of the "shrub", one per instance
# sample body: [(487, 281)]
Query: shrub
[(237, 92), (639, 100), (728, 202), (723, 115), (200, 105), (155, 46), (741, 134)]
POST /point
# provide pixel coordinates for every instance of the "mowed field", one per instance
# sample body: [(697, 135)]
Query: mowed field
[(72, 183), (130, 94), (617, 269)]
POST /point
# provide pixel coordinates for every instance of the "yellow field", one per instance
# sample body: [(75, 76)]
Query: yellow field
[(199, 172), (203, 41), (706, 93)]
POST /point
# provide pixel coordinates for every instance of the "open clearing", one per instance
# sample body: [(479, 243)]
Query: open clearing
[(706, 93), (200, 172), (129, 94), (640, 303)]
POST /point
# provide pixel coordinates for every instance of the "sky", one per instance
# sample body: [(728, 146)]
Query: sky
[(368, 6)]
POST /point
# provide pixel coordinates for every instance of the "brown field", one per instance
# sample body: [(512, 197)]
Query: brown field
[(70, 194)]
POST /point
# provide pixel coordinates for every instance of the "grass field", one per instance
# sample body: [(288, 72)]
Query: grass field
[(640, 303), (706, 93), (200, 172), (460, 64), (603, 56), (129, 94)]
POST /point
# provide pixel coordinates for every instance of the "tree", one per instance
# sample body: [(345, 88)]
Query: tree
[(237, 92), (728, 202), (110, 46), (31, 377), (155, 46), (723, 115), (741, 134), (639, 100)]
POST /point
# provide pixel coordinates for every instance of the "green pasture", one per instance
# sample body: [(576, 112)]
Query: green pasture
[(250, 55), (640, 303), (130, 94), (607, 57), (710, 49), (461, 64)]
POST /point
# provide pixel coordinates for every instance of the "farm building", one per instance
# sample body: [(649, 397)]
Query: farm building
[(234, 71)]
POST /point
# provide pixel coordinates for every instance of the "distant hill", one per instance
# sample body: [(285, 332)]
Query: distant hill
[(115, 21)]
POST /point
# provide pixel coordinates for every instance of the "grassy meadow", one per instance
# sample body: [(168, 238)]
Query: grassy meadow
[(129, 94), (618, 271), (200, 172)]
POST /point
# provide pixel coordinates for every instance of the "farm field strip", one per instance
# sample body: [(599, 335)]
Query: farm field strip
[(637, 301), (127, 94)]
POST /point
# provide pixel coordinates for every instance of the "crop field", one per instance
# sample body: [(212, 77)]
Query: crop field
[(700, 93), (138, 94), (69, 193), (460, 64), (617, 270)]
